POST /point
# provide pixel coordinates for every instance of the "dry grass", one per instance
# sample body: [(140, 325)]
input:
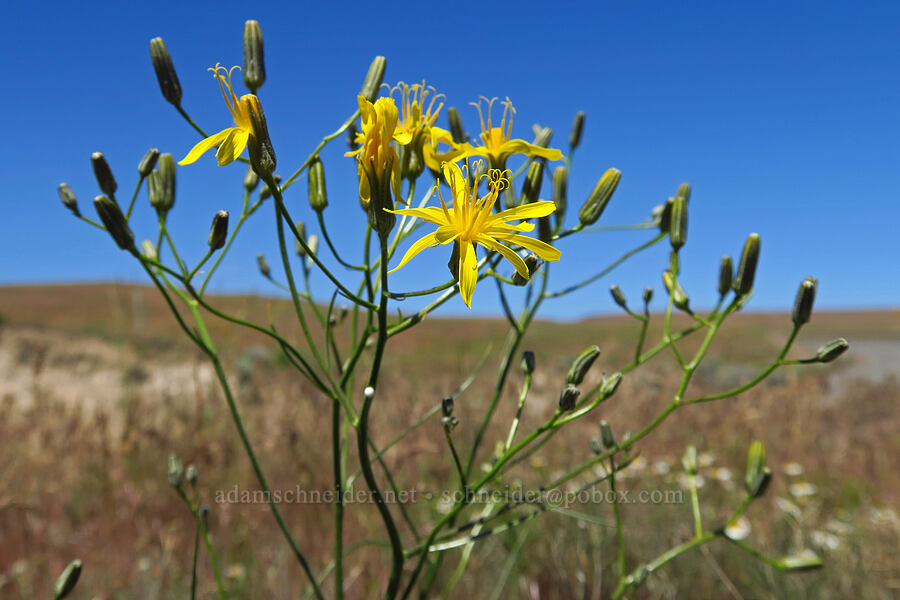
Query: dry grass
[(98, 388)]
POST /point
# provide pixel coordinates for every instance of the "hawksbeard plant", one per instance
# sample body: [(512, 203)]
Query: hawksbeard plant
[(394, 148)]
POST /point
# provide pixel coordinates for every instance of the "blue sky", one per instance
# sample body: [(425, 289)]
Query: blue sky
[(784, 117)]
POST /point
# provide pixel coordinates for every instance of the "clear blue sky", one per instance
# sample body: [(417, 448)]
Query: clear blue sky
[(784, 117)]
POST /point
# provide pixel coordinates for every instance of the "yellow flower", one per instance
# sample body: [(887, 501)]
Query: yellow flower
[(377, 160), (231, 141), (470, 221), (496, 143), (416, 125)]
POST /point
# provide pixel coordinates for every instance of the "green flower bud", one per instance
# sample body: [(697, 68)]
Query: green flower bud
[(161, 184), (582, 365), (103, 174), (545, 230), (832, 350), (251, 180), (528, 362), (560, 189), (318, 197), (599, 198), (756, 461), (447, 406), (648, 295), (568, 397), (743, 282), (800, 563), (542, 136), (149, 250), (165, 71), (689, 460), (678, 223), (532, 262), (531, 188), (313, 243), (607, 435), (301, 229), (509, 199), (265, 193), (254, 64), (759, 486), (618, 297), (449, 423), (726, 270), (175, 471), (191, 474), (803, 304), (611, 384), (373, 80), (67, 196), (67, 580), (684, 191), (114, 221), (577, 129), (262, 153), (148, 162), (596, 446), (679, 297), (456, 127), (352, 132), (263, 265), (218, 232)]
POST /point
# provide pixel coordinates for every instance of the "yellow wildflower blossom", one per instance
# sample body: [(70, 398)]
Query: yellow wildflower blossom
[(496, 143), (416, 125), (233, 140), (470, 221), (377, 160)]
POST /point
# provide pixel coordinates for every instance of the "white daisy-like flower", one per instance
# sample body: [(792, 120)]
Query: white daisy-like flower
[(722, 474), (705, 459), (739, 529), (803, 489), (793, 469), (661, 467), (824, 540)]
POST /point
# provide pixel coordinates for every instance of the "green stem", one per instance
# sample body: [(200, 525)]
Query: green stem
[(339, 504)]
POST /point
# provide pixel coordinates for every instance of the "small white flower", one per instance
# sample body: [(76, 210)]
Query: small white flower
[(793, 469), (824, 540), (705, 459), (803, 489), (661, 467), (788, 507), (739, 529), (722, 474), (838, 527)]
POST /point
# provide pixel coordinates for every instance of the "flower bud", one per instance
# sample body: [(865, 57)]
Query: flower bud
[(577, 129), (832, 350), (114, 221), (318, 197), (582, 365), (103, 174), (509, 199), (542, 136), (663, 214), (806, 561), (68, 198), (449, 423), (352, 132), (607, 436), (599, 198), (726, 270), (648, 295), (313, 243), (803, 304), (165, 71), (191, 474), (149, 250), (568, 397), (596, 446), (254, 64), (611, 384), (528, 362), (743, 282), (560, 189), (447, 406), (545, 230), (689, 460), (617, 296), (67, 580), (265, 192), (759, 486), (262, 153), (532, 261), (678, 223), (175, 471), (161, 185), (679, 297), (219, 230), (684, 191), (456, 127), (301, 229), (756, 461), (251, 180), (531, 188), (148, 162), (263, 265), (374, 78)]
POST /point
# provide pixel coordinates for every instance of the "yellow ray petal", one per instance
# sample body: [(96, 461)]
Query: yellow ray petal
[(232, 146), (424, 242), (545, 251), (468, 271), (523, 147), (432, 214), (507, 253), (526, 211), (204, 145)]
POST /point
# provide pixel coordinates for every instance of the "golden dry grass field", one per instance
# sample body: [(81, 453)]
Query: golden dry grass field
[(97, 387)]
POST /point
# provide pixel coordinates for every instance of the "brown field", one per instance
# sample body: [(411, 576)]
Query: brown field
[(98, 386)]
